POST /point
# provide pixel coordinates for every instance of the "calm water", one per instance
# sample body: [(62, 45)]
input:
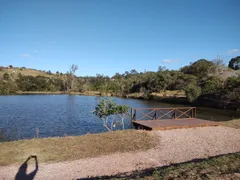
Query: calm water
[(59, 115)]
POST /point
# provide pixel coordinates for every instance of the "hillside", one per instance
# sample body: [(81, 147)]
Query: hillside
[(223, 72), (14, 71)]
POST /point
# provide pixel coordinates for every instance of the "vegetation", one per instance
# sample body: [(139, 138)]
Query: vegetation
[(75, 147), (234, 63), (233, 123), (39, 83), (221, 167), (108, 110), (192, 92), (201, 80)]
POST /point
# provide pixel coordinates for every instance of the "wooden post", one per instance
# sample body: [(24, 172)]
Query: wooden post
[(131, 118), (155, 115), (174, 113), (135, 114)]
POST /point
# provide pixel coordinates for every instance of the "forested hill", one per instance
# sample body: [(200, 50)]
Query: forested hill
[(202, 79)]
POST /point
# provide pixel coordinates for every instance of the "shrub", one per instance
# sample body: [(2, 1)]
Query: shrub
[(106, 110), (192, 92), (6, 76)]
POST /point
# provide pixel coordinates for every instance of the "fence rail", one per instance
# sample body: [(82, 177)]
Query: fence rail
[(162, 113)]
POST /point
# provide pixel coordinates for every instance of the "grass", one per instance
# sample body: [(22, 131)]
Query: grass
[(87, 93), (233, 123), (167, 93), (221, 167), (39, 92), (75, 147), (13, 72), (26, 72), (213, 168), (162, 94)]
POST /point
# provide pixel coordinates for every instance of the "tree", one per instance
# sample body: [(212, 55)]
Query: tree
[(107, 109), (6, 76), (182, 80), (8, 87), (192, 92), (218, 61), (71, 75), (201, 68), (133, 72), (234, 63), (126, 74), (231, 90), (212, 85), (161, 68), (117, 76)]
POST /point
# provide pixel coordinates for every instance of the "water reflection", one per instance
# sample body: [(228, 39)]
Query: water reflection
[(59, 115)]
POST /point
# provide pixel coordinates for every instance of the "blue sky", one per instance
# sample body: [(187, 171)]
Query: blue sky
[(108, 36)]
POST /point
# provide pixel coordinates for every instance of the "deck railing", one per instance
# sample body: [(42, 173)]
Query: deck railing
[(162, 113)]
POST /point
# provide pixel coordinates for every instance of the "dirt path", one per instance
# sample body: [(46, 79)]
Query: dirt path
[(175, 146)]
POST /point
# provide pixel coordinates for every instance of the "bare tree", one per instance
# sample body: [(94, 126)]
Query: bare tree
[(219, 61), (71, 76)]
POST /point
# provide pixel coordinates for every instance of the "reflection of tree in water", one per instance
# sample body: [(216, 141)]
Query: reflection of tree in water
[(22, 171), (71, 108)]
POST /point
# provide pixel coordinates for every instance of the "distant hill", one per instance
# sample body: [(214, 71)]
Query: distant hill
[(14, 71), (224, 72)]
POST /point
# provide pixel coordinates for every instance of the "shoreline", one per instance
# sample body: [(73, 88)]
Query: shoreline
[(169, 98)]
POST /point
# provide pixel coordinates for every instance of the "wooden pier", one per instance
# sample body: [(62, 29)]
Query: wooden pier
[(167, 118)]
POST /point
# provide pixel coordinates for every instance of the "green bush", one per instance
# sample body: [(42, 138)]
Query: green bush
[(192, 92), (6, 76), (212, 85)]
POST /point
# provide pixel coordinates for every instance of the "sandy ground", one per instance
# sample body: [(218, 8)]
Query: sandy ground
[(179, 145)]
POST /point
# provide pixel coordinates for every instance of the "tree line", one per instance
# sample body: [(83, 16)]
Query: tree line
[(201, 79)]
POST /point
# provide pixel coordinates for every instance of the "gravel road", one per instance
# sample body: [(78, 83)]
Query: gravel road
[(178, 145)]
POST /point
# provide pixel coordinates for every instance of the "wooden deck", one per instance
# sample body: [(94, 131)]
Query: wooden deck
[(167, 118), (168, 124)]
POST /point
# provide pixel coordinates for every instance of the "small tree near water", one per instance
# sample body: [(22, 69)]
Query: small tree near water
[(110, 112)]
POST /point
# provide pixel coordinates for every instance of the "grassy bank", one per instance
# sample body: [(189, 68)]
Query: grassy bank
[(233, 123), (39, 92), (75, 147), (157, 95), (221, 167), (86, 93)]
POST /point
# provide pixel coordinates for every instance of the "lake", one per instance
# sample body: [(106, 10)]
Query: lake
[(60, 115)]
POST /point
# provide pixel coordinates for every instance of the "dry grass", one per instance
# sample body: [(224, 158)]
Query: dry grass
[(232, 123), (76, 147), (167, 93), (39, 92), (13, 72), (87, 93), (222, 167)]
